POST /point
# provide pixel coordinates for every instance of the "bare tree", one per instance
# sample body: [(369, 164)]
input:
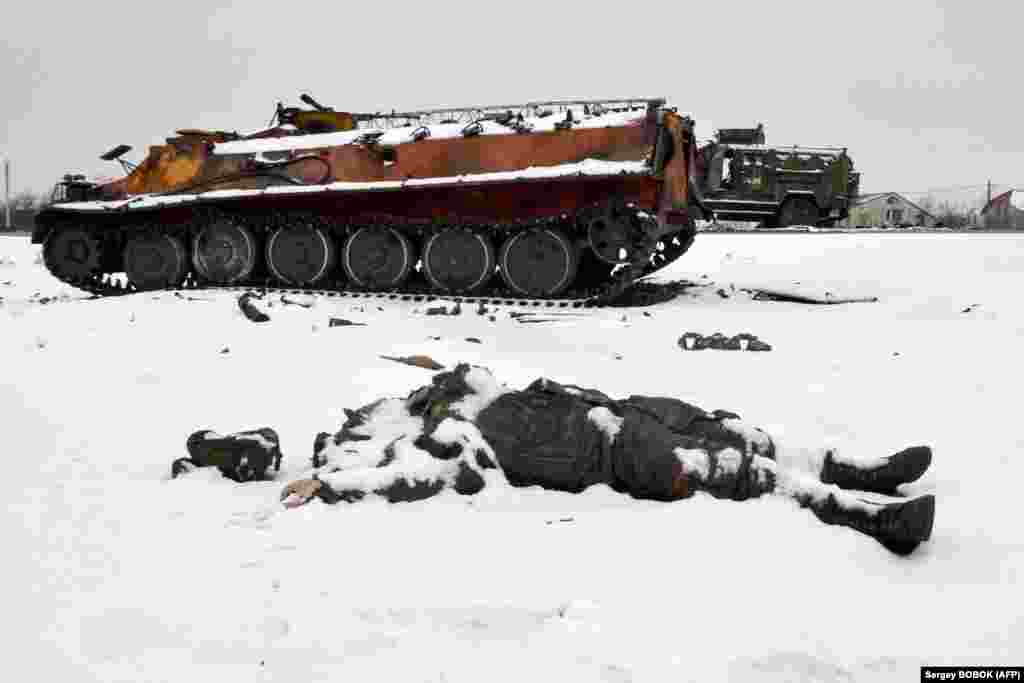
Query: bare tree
[(23, 206)]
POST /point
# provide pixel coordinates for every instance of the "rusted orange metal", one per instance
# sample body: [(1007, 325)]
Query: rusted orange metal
[(449, 157), (675, 192), (323, 121), (187, 161)]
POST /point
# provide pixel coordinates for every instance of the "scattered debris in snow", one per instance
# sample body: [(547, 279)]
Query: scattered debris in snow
[(419, 361), (805, 296), (250, 310), (744, 341), (445, 308), (343, 322), (304, 301)]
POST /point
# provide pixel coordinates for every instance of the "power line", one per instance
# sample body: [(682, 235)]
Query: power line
[(952, 188)]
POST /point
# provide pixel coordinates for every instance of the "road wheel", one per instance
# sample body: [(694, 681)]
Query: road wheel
[(458, 260), (377, 258), (798, 211), (224, 252), (538, 262), (300, 255), (614, 233), (154, 261), (72, 253)]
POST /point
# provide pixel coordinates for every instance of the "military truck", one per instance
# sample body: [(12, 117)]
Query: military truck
[(740, 178)]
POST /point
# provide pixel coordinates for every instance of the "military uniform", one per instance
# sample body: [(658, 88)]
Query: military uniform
[(568, 438)]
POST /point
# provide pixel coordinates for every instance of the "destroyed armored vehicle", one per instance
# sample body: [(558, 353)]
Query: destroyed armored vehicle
[(740, 178), (569, 200)]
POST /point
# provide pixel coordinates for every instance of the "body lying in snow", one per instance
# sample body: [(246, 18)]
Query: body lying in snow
[(563, 437)]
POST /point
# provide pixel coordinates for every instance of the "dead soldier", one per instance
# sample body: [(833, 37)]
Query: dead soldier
[(567, 438)]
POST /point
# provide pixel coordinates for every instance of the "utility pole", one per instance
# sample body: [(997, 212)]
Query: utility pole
[(989, 199), (7, 193)]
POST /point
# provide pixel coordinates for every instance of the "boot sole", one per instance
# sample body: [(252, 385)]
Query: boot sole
[(915, 520)]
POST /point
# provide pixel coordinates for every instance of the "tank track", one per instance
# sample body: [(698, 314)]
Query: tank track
[(596, 284)]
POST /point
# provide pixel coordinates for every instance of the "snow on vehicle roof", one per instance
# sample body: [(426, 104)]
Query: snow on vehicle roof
[(399, 135), (804, 152), (587, 167)]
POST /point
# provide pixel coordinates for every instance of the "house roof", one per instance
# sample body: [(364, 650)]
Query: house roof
[(1004, 199), (871, 196)]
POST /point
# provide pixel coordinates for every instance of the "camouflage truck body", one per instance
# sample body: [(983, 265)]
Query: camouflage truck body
[(740, 178)]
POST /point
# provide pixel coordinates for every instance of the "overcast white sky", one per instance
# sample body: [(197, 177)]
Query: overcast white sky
[(925, 94)]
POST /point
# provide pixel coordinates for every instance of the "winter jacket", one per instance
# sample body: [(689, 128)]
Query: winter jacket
[(561, 437)]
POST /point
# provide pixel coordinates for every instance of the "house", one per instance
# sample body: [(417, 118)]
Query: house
[(1005, 211), (887, 210)]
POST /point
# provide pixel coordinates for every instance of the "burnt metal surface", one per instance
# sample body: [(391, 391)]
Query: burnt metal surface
[(533, 229), (187, 159)]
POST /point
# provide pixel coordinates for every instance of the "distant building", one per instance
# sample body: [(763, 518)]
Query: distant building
[(887, 210), (1005, 211)]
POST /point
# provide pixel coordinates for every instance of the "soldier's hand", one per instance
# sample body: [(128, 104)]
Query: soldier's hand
[(300, 492)]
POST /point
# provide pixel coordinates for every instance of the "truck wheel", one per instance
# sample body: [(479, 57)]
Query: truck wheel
[(798, 211), (377, 258), (155, 261), (538, 262), (458, 260)]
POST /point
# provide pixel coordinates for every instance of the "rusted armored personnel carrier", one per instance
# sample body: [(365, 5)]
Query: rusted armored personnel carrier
[(571, 200), (741, 178)]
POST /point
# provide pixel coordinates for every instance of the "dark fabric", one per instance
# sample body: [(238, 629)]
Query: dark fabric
[(238, 457), (432, 402), (674, 414), (401, 491), (644, 462), (543, 436), (182, 466), (715, 431), (467, 482)]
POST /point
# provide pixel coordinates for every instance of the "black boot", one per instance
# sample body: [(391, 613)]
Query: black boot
[(900, 527), (900, 468)]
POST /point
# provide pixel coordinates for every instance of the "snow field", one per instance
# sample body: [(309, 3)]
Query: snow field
[(116, 573)]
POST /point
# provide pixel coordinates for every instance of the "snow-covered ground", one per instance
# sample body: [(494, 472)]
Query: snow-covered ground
[(114, 572)]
